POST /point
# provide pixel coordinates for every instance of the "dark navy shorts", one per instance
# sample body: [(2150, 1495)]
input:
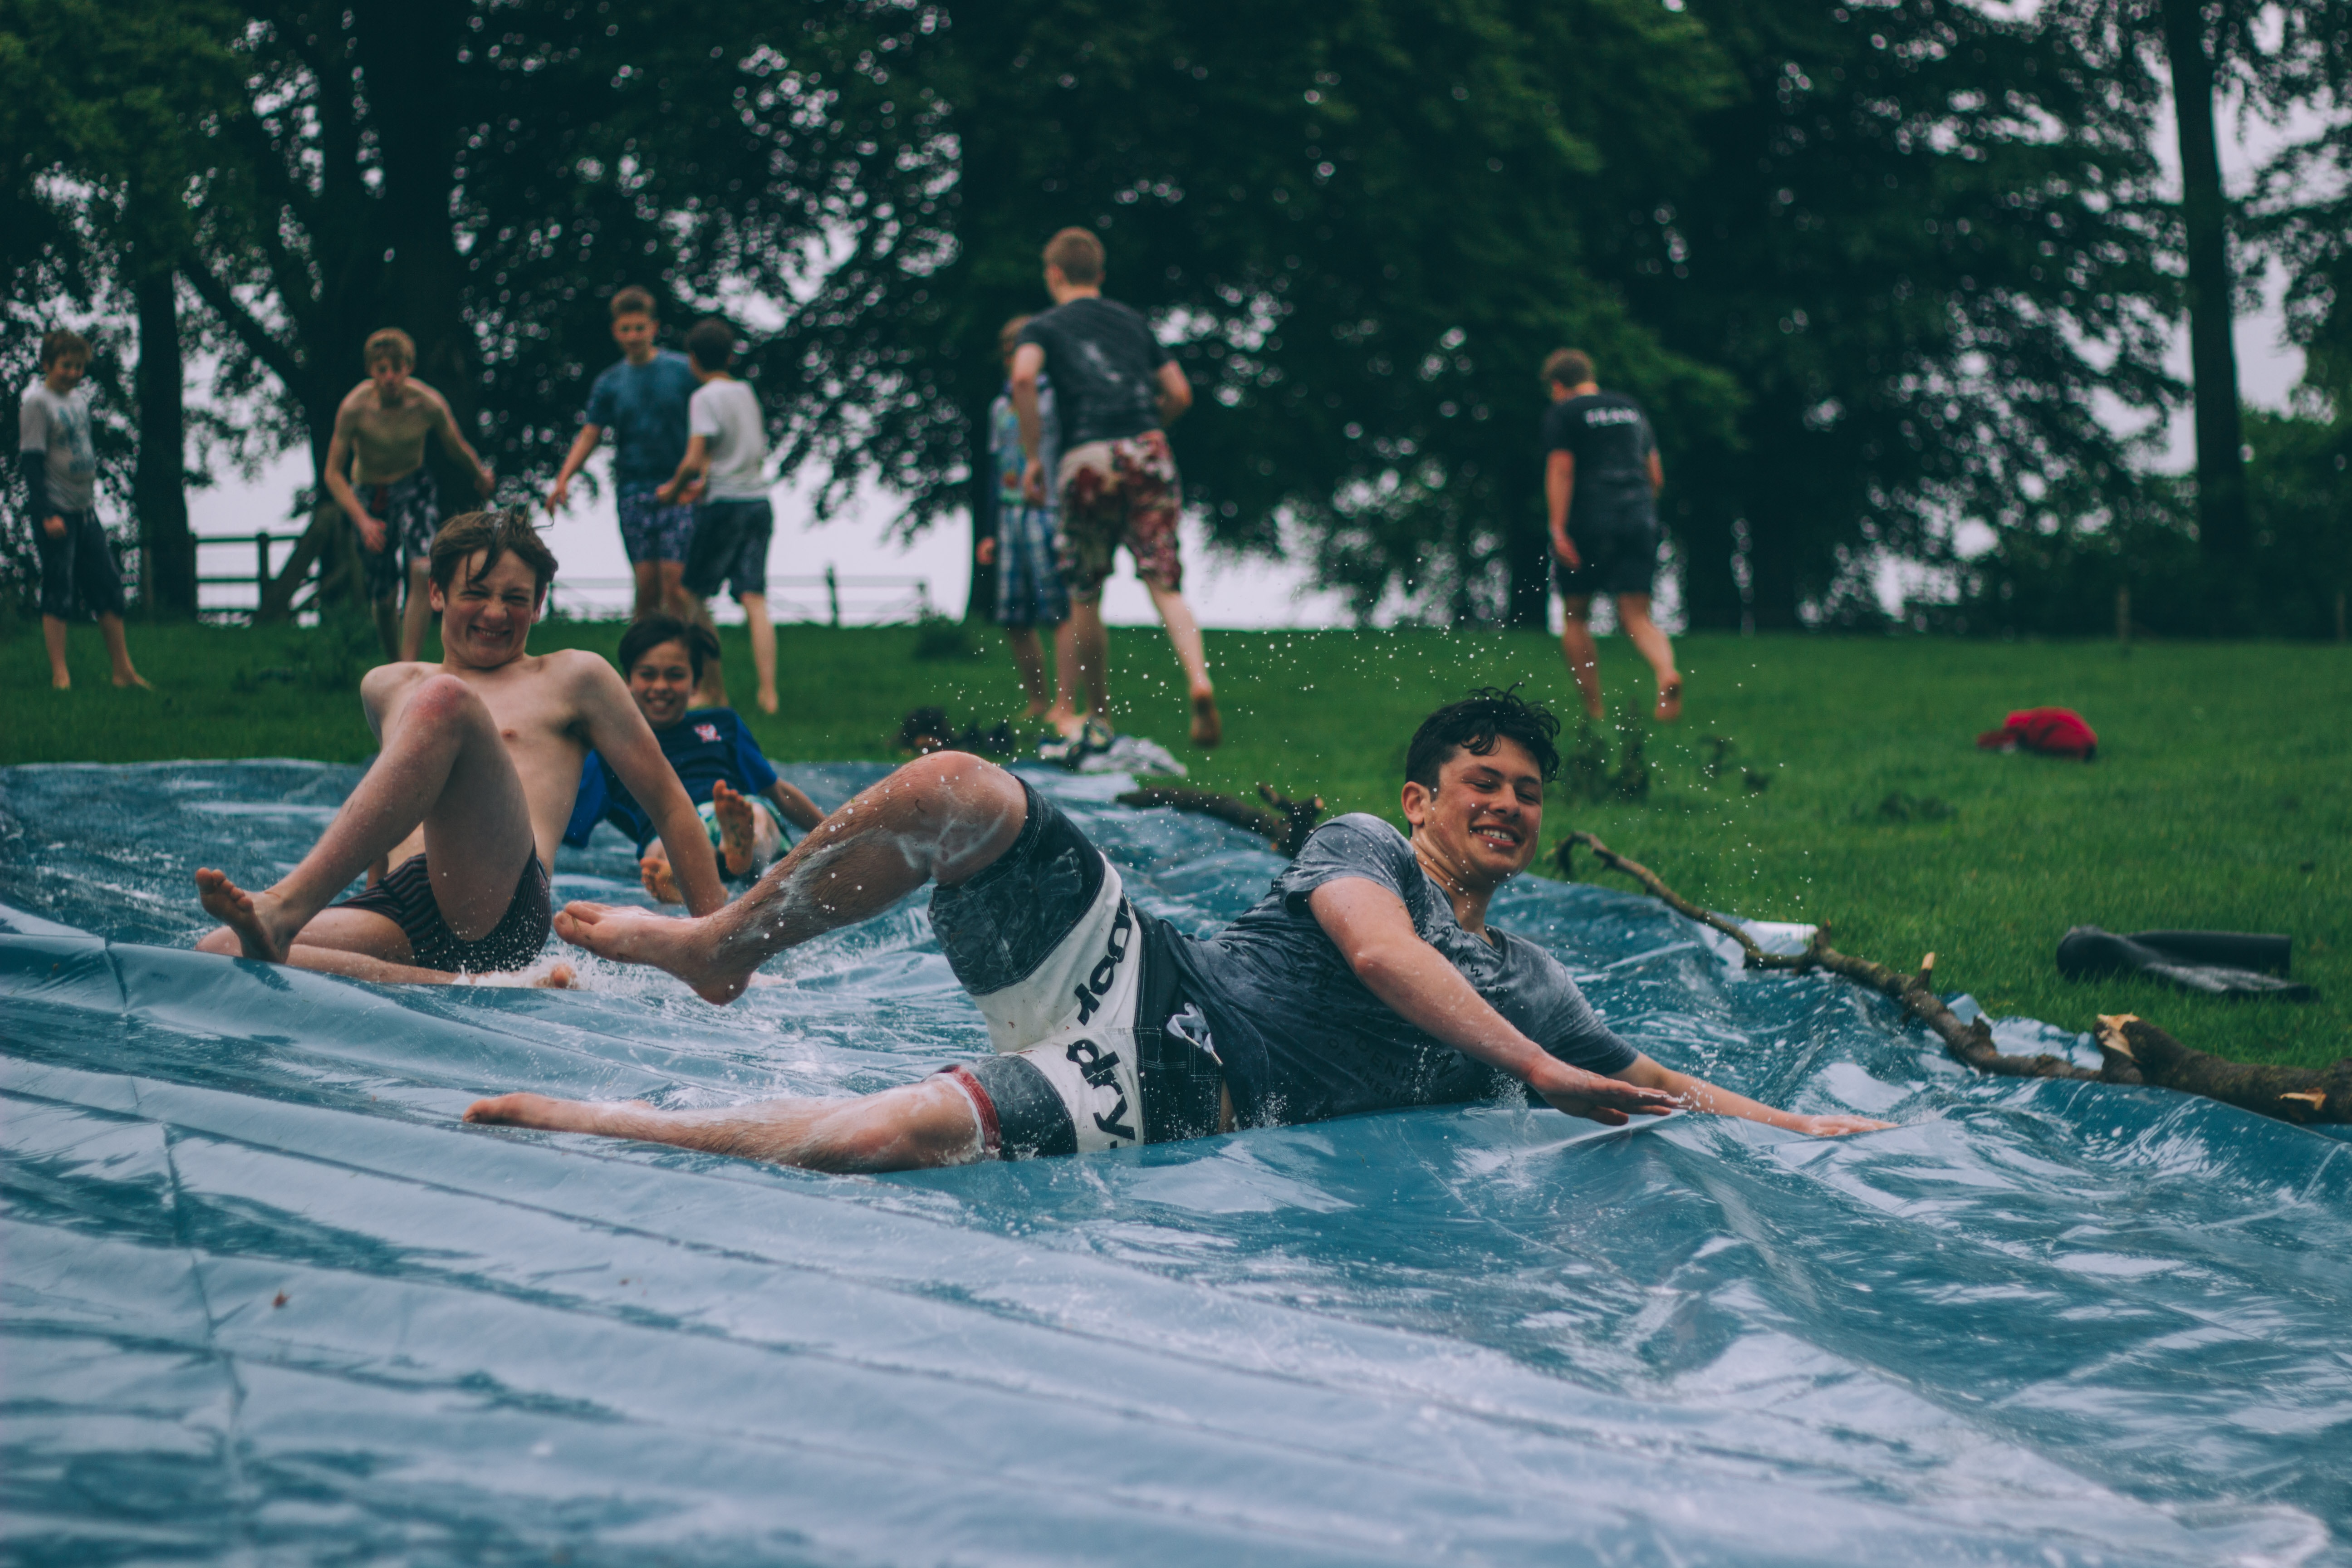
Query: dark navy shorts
[(1097, 1046), (81, 564), (650, 530), (729, 548), (1620, 552)]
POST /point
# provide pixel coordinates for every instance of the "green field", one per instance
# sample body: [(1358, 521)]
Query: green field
[(2221, 797)]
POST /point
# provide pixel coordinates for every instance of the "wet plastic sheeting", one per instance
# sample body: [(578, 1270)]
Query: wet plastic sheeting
[(268, 1300)]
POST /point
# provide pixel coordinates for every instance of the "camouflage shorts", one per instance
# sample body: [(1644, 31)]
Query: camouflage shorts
[(1114, 493)]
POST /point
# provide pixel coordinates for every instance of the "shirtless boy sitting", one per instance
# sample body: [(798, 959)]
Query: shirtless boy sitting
[(468, 796), (384, 422), (743, 803)]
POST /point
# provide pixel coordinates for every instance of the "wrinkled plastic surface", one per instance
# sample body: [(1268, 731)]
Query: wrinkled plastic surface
[(268, 1300)]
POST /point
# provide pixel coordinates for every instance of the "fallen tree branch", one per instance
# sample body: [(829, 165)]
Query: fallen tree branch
[(1284, 828), (2131, 1050)]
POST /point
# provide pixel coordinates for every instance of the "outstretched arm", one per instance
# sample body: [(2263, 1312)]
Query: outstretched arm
[(1175, 392), (620, 735), (339, 480), (582, 445), (445, 426), (1700, 1095), (1374, 934), (1560, 485), (690, 470)]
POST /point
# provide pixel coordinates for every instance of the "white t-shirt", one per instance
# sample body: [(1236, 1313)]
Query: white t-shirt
[(728, 413), (59, 427)]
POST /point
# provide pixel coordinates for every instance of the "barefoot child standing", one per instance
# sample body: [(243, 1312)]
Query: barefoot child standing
[(743, 805), (1020, 545), (60, 467), (725, 468)]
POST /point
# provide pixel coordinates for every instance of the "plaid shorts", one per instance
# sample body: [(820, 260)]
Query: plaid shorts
[(1114, 493), (410, 509)]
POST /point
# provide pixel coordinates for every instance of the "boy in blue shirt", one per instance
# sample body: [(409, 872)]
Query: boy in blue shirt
[(714, 756), (1021, 544), (642, 401)]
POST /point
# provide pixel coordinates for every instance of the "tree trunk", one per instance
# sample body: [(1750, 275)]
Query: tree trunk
[(2224, 536), (1527, 546), (159, 484), (980, 601)]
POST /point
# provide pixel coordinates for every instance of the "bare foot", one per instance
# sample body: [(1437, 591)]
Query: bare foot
[(245, 914), (61, 683), (1064, 721), (134, 679), (738, 829), (680, 947), (1208, 730), (653, 871), (539, 1110), (1670, 699), (767, 700), (559, 978)]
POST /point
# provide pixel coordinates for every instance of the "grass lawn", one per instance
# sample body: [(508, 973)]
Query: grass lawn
[(2222, 796)]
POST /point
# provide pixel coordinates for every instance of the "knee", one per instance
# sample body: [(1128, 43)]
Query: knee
[(220, 939), (444, 698)]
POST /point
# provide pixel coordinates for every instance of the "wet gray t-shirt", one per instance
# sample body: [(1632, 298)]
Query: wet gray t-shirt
[(1303, 1039), (58, 426)]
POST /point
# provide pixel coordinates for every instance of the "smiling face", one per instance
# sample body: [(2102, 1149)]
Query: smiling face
[(634, 332), (662, 680), (1483, 820), (485, 618), (64, 373)]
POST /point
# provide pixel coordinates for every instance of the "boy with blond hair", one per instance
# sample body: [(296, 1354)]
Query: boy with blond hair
[(1117, 389), (380, 433)]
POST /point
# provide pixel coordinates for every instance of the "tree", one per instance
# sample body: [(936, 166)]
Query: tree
[(105, 108), (1360, 225), (1922, 258), (486, 176)]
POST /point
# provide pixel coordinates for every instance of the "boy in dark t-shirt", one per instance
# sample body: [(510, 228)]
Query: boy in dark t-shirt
[(1115, 387), (1602, 478), (742, 804), (1367, 980)]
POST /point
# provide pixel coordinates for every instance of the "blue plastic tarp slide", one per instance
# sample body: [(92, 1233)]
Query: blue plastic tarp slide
[(264, 1298)]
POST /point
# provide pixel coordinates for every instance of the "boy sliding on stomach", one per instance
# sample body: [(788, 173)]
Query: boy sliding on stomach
[(713, 755), (468, 796), (1367, 979), (380, 433), (726, 454)]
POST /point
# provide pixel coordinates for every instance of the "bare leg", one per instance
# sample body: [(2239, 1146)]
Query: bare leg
[(1633, 614), (764, 646), (53, 636), (445, 765), (1090, 651), (1029, 659), (417, 614), (118, 652), (649, 588), (913, 1127), (1576, 642), (711, 691), (1064, 715), (945, 818), (1185, 633)]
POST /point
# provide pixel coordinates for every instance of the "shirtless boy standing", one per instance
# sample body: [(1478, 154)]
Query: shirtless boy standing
[(469, 795), (383, 424)]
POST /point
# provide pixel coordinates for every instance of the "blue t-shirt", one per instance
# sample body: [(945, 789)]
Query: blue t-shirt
[(642, 408), (707, 746), (1303, 1039)]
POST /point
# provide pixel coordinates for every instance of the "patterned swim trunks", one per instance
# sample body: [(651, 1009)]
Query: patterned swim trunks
[(652, 531), (410, 509), (1114, 493)]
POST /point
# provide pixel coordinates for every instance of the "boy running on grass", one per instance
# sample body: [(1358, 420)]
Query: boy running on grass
[(710, 751), (724, 467), (1367, 979), (1117, 388), (380, 434), (1602, 478), (60, 465), (468, 796), (1020, 545), (642, 401)]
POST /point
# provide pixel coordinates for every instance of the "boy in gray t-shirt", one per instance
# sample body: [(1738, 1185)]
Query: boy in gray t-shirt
[(59, 464)]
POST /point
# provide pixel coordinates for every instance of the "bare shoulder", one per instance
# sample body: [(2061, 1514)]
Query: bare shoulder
[(583, 674), (433, 400), (357, 401)]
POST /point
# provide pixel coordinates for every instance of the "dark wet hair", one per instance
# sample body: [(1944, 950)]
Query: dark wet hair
[(647, 633), (1475, 724), (503, 531), (711, 343)]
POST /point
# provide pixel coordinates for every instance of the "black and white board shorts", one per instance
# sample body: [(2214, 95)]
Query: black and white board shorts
[(1097, 1047)]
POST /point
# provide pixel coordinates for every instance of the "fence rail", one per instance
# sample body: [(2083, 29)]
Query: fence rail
[(826, 598)]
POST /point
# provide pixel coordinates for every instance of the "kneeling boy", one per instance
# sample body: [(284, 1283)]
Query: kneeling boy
[(708, 749)]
